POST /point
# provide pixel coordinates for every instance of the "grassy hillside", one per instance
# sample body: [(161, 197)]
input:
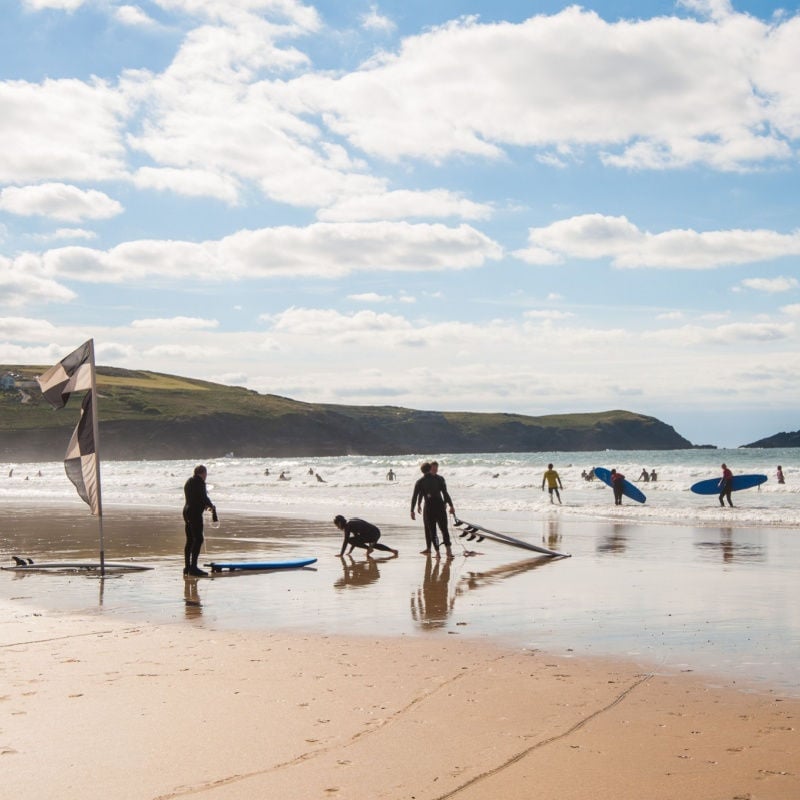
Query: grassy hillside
[(150, 415)]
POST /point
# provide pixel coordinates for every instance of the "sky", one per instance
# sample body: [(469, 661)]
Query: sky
[(494, 206)]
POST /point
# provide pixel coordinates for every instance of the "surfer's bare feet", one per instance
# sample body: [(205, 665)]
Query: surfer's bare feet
[(424, 552), (396, 552), (449, 553), (438, 554), (369, 550)]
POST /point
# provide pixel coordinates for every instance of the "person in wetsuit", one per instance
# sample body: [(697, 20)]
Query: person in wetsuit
[(432, 489), (197, 501), (726, 486), (360, 533)]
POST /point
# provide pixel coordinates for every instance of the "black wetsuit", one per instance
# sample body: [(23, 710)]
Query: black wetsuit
[(360, 533), (433, 489), (197, 501)]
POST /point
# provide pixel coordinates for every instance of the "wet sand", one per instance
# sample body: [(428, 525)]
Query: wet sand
[(358, 680)]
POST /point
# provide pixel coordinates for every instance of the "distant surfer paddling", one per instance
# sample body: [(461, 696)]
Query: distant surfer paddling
[(726, 486), (360, 533), (197, 501)]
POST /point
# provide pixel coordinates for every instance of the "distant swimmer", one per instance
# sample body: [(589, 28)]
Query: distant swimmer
[(266, 471), (320, 478), (779, 474), (617, 485), (645, 476), (726, 485), (390, 475), (653, 475), (310, 470), (553, 481), (360, 533), (282, 477)]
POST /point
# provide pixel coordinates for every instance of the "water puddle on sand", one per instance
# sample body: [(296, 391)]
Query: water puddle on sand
[(714, 600)]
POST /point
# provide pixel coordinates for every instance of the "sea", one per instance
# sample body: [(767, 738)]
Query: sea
[(503, 488), (677, 583)]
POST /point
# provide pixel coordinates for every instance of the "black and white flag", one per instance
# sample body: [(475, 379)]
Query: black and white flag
[(80, 462), (71, 374), (75, 373)]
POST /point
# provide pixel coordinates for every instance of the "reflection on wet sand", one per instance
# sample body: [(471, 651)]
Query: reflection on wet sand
[(731, 550), (191, 597), (551, 536), (430, 605), (359, 573), (476, 580), (615, 542)]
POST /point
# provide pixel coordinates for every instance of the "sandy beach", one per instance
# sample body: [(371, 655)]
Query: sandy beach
[(94, 709), (149, 686)]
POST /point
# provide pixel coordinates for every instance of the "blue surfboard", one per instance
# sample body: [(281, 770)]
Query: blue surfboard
[(628, 489), (263, 566), (711, 486)]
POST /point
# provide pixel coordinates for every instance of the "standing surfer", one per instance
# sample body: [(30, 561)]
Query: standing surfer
[(432, 488), (197, 501), (553, 480), (726, 485)]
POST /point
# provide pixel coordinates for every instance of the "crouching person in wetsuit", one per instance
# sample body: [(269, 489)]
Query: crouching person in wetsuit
[(360, 533), (197, 501)]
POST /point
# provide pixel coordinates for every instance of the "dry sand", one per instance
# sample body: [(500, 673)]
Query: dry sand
[(99, 708)]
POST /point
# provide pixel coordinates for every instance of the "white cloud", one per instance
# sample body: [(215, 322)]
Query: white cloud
[(595, 236), (792, 310), (322, 249), (547, 314), (175, 324), (373, 20), (134, 17), (732, 334), (404, 204), (369, 297), (22, 282), (58, 201), (58, 5), (189, 182), (88, 118), (658, 93), (771, 285)]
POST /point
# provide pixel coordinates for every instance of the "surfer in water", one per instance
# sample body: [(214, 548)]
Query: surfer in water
[(360, 533), (197, 501), (553, 480), (779, 475), (726, 485)]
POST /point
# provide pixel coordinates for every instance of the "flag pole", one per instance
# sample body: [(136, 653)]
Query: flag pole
[(96, 435)]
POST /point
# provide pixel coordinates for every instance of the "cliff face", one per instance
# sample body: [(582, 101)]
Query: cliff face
[(778, 440), (330, 434)]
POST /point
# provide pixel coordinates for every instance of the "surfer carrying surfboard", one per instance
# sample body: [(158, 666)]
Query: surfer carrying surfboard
[(360, 533), (726, 485), (618, 486)]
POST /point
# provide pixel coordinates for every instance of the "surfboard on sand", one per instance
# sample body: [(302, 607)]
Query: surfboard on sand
[(628, 489), (711, 486), (260, 566), (87, 566), (473, 531)]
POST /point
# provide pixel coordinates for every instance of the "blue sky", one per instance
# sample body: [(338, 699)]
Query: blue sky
[(510, 206)]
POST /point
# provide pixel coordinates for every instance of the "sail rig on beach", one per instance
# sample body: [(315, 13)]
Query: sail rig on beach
[(76, 373)]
